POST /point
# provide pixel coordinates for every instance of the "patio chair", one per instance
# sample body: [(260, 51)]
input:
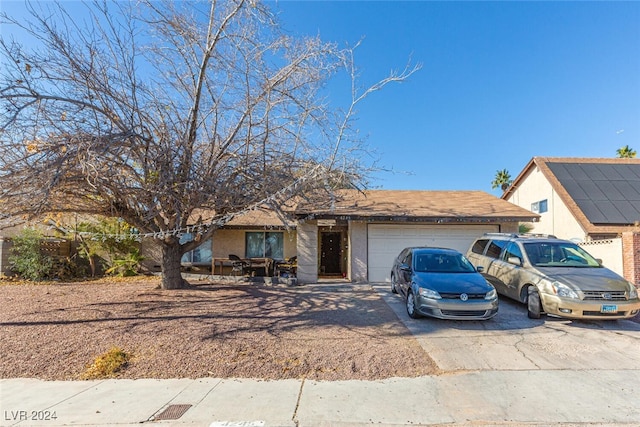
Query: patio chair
[(238, 265), (287, 268)]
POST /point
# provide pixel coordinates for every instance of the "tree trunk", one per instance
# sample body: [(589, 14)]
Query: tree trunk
[(92, 265), (171, 274)]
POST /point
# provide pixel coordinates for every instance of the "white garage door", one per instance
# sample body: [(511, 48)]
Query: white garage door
[(385, 241)]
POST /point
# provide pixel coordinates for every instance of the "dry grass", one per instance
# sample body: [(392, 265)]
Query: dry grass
[(107, 365)]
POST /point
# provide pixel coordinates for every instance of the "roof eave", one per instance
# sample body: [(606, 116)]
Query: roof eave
[(427, 219)]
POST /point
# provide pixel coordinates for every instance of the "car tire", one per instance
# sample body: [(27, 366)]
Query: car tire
[(411, 306), (394, 290), (534, 304)]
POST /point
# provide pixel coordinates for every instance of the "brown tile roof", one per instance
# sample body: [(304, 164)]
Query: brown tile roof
[(417, 205), (542, 163)]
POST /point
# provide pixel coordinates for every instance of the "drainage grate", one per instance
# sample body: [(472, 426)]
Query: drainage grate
[(173, 412)]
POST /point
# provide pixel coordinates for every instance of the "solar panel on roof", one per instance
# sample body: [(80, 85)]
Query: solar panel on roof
[(630, 211), (607, 193), (591, 211), (610, 171), (610, 188)]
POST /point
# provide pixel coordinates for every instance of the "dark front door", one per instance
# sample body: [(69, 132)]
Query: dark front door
[(331, 253)]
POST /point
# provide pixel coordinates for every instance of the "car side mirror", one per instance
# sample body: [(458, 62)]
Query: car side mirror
[(479, 269), (514, 260), (405, 267), (599, 261)]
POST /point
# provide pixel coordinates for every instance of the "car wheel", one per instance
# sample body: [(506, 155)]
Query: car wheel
[(411, 306), (394, 290), (534, 305)]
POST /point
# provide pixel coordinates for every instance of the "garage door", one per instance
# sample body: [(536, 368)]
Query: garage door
[(385, 241)]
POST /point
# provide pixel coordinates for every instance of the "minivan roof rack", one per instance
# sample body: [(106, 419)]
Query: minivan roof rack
[(516, 235), (548, 236), (502, 234)]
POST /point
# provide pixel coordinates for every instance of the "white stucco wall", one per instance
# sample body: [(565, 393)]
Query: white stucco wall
[(558, 220), (357, 251), (307, 244)]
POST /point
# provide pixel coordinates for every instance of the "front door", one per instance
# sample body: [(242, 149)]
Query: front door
[(331, 250)]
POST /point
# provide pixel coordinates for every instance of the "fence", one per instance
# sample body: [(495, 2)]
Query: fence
[(57, 248), (621, 254), (609, 251)]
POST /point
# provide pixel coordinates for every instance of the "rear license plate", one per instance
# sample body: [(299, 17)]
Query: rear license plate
[(609, 309)]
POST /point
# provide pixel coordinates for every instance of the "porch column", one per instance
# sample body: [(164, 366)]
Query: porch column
[(358, 251), (307, 246)]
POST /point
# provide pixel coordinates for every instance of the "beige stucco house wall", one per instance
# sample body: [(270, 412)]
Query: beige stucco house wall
[(225, 242)]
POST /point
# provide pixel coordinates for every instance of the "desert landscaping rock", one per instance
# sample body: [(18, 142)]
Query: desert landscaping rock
[(340, 331)]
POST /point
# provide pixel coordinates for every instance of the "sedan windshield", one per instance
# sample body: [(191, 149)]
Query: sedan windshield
[(558, 254), (442, 263)]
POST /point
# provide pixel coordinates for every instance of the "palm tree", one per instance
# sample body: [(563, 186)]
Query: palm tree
[(626, 152), (502, 180)]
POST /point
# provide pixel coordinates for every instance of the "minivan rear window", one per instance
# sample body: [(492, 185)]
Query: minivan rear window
[(479, 245)]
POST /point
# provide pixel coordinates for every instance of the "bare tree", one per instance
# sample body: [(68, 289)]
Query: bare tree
[(155, 111)]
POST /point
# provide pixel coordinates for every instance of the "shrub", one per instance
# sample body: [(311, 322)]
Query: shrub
[(126, 265), (26, 258), (108, 243)]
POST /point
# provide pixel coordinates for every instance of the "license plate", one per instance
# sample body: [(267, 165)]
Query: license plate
[(609, 309)]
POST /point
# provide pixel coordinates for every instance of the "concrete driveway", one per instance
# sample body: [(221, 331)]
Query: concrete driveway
[(511, 341)]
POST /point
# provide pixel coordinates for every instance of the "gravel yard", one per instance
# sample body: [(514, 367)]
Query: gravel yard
[(335, 331)]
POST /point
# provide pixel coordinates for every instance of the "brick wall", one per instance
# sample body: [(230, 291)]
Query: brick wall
[(631, 256)]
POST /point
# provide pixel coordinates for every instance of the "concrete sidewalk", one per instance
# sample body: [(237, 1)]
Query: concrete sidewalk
[(487, 398)]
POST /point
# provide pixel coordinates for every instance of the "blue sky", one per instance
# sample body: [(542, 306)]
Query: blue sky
[(501, 82)]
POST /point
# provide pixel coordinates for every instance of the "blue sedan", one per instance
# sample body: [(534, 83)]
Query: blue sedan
[(440, 282)]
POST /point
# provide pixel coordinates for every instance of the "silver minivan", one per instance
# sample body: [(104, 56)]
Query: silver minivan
[(553, 276)]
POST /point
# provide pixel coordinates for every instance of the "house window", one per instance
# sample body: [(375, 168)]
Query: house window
[(264, 245), (200, 255), (539, 207)]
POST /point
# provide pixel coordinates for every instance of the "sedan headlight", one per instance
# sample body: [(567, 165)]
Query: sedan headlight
[(491, 294), (564, 291), (428, 293)]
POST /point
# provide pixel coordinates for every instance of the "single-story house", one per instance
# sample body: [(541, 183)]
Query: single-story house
[(357, 234), (586, 200)]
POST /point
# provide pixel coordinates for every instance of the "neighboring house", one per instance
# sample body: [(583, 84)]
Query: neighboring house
[(586, 200), (356, 235)]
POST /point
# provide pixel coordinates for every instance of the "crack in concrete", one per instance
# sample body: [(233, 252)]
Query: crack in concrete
[(294, 418), (516, 345)]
